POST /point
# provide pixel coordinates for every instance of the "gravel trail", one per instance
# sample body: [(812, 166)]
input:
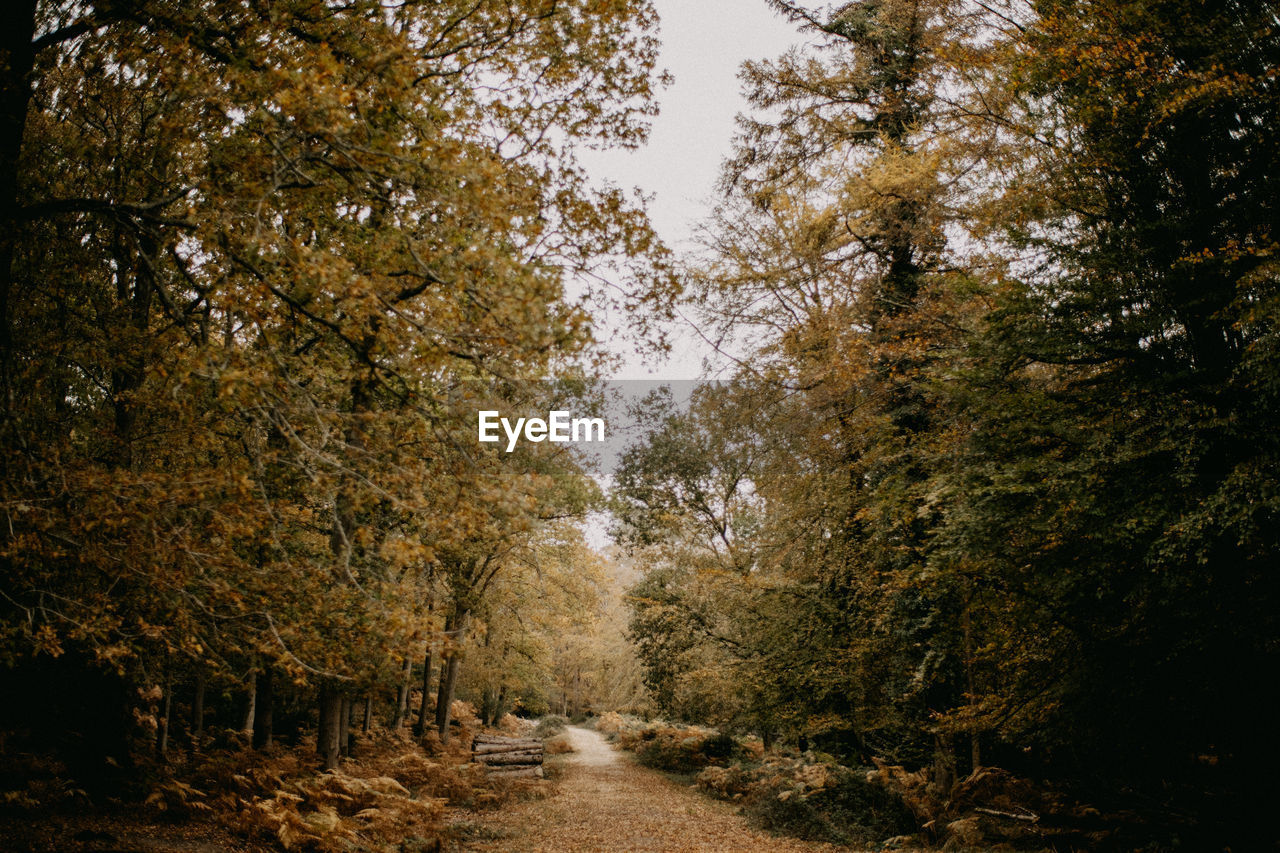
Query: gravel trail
[(606, 802)]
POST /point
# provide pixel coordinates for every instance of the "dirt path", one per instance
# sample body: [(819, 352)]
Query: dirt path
[(605, 802)]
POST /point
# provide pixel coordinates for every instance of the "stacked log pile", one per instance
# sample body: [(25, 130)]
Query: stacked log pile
[(508, 757)]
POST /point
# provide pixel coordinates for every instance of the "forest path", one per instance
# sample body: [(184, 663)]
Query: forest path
[(606, 802)]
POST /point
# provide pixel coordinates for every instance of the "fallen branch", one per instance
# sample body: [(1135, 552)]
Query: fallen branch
[(1029, 817)]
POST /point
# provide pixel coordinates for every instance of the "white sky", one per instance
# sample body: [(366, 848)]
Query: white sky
[(703, 44)]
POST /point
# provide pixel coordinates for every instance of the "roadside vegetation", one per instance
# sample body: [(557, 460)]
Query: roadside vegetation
[(810, 795)]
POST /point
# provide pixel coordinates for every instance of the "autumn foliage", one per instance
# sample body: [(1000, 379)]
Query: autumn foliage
[(260, 264), (991, 495), (993, 480)]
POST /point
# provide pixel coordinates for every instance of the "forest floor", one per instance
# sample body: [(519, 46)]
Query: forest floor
[(606, 802)]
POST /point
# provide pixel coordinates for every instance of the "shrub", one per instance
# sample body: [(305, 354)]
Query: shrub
[(813, 800), (837, 804), (513, 725), (550, 726), (720, 747), (680, 749), (558, 745), (431, 778), (610, 724), (673, 748), (335, 812), (727, 783), (671, 755)]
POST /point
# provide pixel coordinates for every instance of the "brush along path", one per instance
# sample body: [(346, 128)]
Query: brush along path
[(605, 802)]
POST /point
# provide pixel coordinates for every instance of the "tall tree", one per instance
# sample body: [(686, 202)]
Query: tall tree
[(256, 261), (1116, 493), (832, 248)]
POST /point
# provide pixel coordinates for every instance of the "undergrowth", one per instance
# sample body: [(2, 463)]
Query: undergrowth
[(803, 797), (392, 796)]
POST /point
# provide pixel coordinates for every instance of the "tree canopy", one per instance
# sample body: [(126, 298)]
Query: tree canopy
[(1005, 272)]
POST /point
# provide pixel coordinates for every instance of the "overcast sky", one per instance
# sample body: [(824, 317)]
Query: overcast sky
[(703, 44)]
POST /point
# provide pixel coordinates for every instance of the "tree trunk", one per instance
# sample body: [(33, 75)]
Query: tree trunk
[(454, 627), (402, 700), (329, 729), (137, 292), (368, 712), (966, 622), (421, 728), (197, 710), (444, 696), (162, 733), (344, 727), (502, 704), (493, 704), (264, 699), (322, 719), (944, 766), (247, 727), (17, 59)]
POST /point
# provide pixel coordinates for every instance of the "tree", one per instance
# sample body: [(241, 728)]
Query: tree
[(256, 263), (537, 626), (831, 250), (1113, 493)]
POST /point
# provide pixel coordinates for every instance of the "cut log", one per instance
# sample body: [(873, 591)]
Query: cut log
[(517, 772), (485, 748), (506, 740), (503, 741), (507, 757), (510, 759), (515, 753)]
